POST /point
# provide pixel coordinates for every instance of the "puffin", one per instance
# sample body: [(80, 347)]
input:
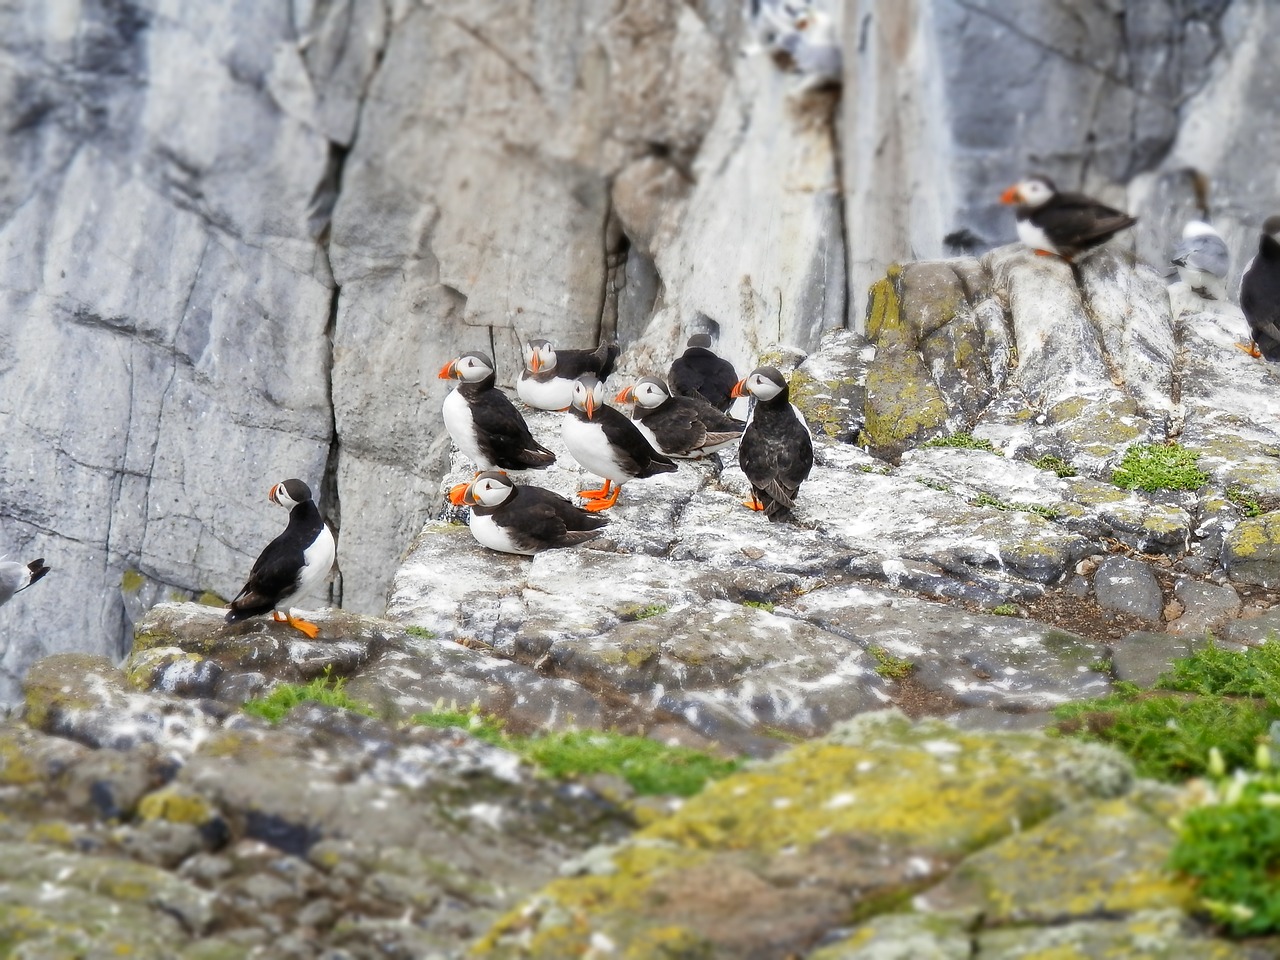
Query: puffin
[(484, 423), (16, 577), (1202, 259), (525, 520), (683, 428), (699, 372), (547, 380), (607, 444), (292, 566), (776, 452), (1260, 293), (1062, 224)]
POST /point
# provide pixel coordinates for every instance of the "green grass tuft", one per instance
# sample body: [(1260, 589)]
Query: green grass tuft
[(325, 689), (966, 441), (1247, 502), (1005, 610), (482, 726), (889, 666), (631, 614), (987, 500), (1159, 466), (421, 633), (1056, 464), (934, 484), (764, 605)]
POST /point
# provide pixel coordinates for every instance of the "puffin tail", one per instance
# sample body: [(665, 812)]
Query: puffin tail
[(536, 458), (607, 353)]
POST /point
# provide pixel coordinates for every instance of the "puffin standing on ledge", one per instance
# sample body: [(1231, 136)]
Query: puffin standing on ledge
[(525, 520), (777, 450), (1260, 293), (607, 444), (699, 372), (684, 428), (1062, 224), (292, 566), (16, 577), (484, 423), (549, 374)]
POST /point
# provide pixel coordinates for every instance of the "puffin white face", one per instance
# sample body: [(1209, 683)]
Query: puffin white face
[(290, 493), (539, 355), (489, 489), (1032, 192), (588, 394), (650, 393), (764, 383)]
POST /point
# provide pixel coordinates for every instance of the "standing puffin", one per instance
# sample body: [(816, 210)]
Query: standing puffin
[(292, 566), (1260, 293), (1062, 224), (525, 520), (549, 374), (684, 428), (484, 423), (607, 444), (699, 372), (16, 577), (777, 450), (1202, 259)]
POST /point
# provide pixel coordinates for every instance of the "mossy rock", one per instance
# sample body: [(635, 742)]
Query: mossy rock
[(56, 684), (1251, 551)]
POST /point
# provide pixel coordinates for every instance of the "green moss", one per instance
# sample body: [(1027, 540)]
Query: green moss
[(965, 441), (175, 805), (326, 689), (987, 500), (132, 581), (16, 768), (889, 666), (933, 484), (1006, 610), (422, 633), (211, 599), (1159, 466), (1056, 465), (636, 612), (1247, 502), (479, 725), (759, 605)]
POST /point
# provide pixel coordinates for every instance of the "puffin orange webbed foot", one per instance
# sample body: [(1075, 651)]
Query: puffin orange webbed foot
[(753, 504), (305, 626), (595, 506), (1251, 349)]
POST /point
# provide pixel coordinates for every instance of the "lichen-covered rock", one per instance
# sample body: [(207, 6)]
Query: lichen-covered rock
[(1251, 552)]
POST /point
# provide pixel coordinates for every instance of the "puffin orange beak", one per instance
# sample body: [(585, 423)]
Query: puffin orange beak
[(591, 405), (458, 494), (739, 389), (272, 495), (535, 364), (625, 395), (1012, 195), (449, 370)]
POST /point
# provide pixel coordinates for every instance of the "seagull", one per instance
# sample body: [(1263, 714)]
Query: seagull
[(1202, 259)]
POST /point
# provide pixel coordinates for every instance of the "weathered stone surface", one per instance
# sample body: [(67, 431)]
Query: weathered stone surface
[(1206, 607), (1254, 630), (1251, 552), (1154, 935), (1141, 657), (1122, 585)]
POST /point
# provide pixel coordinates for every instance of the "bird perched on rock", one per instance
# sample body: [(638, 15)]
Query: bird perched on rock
[(1260, 292), (292, 566), (607, 444), (484, 423), (699, 372), (525, 519), (1202, 259), (1062, 224), (549, 374), (776, 453), (685, 428), (16, 577)]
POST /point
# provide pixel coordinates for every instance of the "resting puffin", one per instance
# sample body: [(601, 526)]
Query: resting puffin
[(777, 450), (525, 520), (1062, 224), (1202, 259), (699, 372), (607, 444), (484, 423), (292, 566), (16, 577), (1260, 293), (684, 428), (547, 380)]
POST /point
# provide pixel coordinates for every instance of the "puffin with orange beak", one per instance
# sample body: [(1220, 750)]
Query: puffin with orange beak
[(1062, 224), (607, 444), (547, 380), (484, 423), (776, 452), (525, 520), (292, 566), (684, 428)]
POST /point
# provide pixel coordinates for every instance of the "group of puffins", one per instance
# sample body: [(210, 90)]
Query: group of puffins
[(684, 418)]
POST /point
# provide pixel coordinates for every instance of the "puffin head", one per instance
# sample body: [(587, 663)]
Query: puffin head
[(763, 383), (1032, 192), (649, 392), (588, 394), (470, 368), (539, 355), (700, 341), (290, 493), (1198, 228), (488, 489), (1271, 227)]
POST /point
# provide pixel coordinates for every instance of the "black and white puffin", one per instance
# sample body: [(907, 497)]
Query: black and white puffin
[(699, 372), (483, 421), (684, 428), (526, 519), (16, 577), (549, 374), (1260, 293), (1062, 224), (607, 444), (776, 453), (292, 566)]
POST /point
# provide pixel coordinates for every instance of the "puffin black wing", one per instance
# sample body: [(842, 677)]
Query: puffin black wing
[(700, 373), (274, 574), (776, 455), (502, 431), (571, 364), (632, 450), (536, 518), (1076, 222)]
